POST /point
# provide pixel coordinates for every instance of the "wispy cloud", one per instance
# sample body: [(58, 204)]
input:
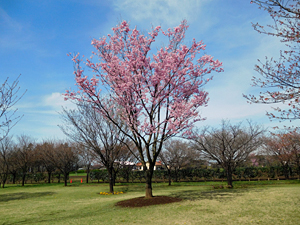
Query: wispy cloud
[(15, 35), (168, 12), (7, 22), (56, 101), (47, 104), (41, 116)]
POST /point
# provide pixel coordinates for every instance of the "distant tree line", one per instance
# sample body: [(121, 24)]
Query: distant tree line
[(277, 156), (200, 174), (25, 160)]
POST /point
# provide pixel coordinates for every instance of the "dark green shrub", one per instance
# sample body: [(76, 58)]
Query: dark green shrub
[(99, 175), (39, 177)]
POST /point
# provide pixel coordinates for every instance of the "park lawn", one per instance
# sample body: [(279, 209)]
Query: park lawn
[(250, 203)]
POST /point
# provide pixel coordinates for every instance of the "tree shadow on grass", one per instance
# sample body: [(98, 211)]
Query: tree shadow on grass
[(132, 188), (219, 195), (22, 195)]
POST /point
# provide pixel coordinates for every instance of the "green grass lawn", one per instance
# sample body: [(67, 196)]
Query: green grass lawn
[(276, 202)]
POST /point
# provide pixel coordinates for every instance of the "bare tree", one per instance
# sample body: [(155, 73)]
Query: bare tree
[(13, 162), (88, 127), (126, 160), (8, 98), (45, 152), (5, 154), (280, 78), (228, 146), (64, 156), (86, 158), (175, 155), (24, 156)]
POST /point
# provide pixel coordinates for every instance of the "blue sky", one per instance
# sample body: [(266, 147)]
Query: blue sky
[(36, 35)]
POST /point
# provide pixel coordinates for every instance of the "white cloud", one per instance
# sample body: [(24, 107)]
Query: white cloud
[(56, 101), (41, 117), (47, 104), (169, 12)]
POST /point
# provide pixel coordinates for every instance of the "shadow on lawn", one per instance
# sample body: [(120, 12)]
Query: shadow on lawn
[(22, 195), (219, 195), (132, 188)]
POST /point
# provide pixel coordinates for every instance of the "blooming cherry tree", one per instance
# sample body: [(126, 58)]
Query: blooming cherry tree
[(158, 95)]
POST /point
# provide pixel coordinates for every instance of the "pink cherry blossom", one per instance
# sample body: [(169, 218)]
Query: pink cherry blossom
[(158, 95)]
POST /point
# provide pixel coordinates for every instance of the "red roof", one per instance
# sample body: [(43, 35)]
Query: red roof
[(158, 163)]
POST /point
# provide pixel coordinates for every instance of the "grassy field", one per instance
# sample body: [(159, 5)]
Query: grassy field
[(273, 202)]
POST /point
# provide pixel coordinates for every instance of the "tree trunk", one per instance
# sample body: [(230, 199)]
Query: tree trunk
[(149, 174), (286, 171), (176, 175), (114, 177), (5, 175), (229, 176), (111, 179), (23, 178), (14, 177), (58, 181), (170, 180), (66, 179), (87, 174), (49, 177), (111, 185), (4, 180)]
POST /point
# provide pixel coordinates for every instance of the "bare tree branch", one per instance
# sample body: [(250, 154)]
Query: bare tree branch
[(8, 98), (228, 146)]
